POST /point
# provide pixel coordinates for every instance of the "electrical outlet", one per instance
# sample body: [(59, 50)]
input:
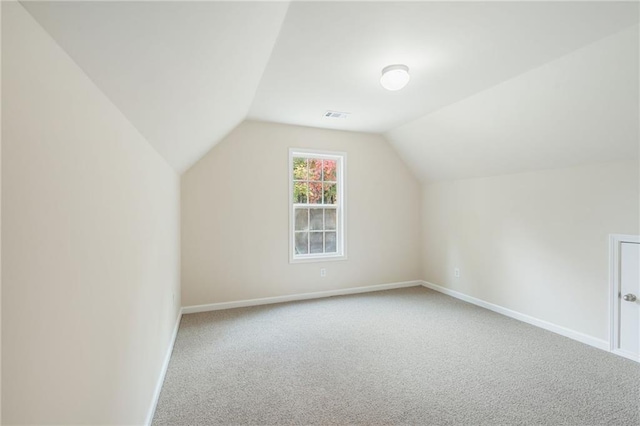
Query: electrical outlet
[(456, 272), (323, 272)]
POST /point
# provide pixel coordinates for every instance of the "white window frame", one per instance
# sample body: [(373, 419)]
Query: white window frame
[(341, 229)]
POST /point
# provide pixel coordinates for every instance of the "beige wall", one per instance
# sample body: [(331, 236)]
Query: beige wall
[(0, 216), (90, 244), (536, 243), (235, 217)]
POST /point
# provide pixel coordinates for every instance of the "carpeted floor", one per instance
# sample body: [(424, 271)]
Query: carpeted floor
[(407, 356)]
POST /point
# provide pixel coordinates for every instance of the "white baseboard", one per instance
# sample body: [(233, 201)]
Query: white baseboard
[(625, 354), (163, 372), (303, 296), (575, 335)]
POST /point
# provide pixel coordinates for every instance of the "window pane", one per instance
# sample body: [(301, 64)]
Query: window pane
[(315, 193), (300, 191), (330, 193), (330, 242), (330, 219), (302, 219), (315, 220), (315, 169), (302, 238), (329, 169), (315, 240), (300, 168)]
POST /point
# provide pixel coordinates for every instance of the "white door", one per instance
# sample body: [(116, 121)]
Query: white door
[(629, 301)]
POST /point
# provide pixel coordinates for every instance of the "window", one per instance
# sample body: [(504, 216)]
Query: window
[(317, 208)]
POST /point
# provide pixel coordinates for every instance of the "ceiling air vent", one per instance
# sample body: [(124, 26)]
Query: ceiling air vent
[(335, 114)]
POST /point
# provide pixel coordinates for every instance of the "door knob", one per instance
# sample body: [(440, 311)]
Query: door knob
[(629, 297)]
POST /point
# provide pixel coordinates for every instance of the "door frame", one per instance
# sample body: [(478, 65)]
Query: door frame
[(615, 241)]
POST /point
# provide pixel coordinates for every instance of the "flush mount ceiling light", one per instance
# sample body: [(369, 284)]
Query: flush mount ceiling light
[(395, 77)]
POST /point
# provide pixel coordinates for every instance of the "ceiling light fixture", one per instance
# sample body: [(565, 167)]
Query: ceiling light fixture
[(395, 77)]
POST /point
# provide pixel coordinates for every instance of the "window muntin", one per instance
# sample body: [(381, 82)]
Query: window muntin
[(317, 207)]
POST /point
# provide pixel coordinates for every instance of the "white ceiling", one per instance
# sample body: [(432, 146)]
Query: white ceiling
[(580, 109), (330, 55), (186, 73), (183, 73)]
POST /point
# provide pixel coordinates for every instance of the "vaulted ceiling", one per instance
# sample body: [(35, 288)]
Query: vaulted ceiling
[(186, 73), (183, 73)]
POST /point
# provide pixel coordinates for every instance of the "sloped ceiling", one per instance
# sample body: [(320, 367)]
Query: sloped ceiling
[(183, 73), (186, 73), (579, 109), (330, 55)]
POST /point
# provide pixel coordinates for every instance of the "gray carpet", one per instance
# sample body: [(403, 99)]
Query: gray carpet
[(407, 356)]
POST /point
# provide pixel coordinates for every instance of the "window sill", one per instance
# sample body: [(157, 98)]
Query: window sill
[(318, 259)]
